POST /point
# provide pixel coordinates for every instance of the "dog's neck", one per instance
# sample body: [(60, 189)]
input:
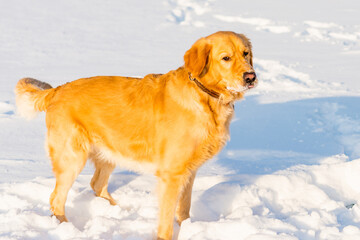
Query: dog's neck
[(212, 93), (192, 96), (209, 113)]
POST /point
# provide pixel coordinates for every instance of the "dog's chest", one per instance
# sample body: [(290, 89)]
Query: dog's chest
[(218, 134)]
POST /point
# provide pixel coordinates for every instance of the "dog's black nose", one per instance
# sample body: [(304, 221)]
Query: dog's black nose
[(249, 77)]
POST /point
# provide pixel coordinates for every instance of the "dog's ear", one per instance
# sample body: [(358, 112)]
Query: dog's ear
[(248, 45), (197, 56), (251, 59), (251, 55)]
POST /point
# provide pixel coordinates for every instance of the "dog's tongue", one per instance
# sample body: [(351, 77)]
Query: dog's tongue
[(251, 86)]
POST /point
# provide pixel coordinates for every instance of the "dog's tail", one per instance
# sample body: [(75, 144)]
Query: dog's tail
[(32, 96)]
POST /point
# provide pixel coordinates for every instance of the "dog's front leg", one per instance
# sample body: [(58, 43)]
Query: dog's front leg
[(183, 206), (169, 189)]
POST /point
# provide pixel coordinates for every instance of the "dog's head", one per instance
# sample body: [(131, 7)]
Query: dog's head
[(223, 63)]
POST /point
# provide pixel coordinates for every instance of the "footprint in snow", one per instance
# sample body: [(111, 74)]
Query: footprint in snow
[(183, 11), (6, 109)]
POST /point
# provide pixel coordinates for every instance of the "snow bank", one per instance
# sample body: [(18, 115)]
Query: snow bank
[(302, 202)]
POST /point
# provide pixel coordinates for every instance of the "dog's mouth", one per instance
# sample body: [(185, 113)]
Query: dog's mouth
[(236, 90), (251, 85), (242, 89)]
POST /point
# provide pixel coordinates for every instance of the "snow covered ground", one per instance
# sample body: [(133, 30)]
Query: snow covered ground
[(292, 167)]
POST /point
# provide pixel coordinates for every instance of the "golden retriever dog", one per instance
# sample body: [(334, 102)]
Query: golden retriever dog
[(167, 124)]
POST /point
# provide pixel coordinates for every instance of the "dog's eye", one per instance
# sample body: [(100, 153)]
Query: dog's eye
[(226, 58), (246, 53)]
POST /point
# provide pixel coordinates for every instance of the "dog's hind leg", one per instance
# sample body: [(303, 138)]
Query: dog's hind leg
[(68, 155), (100, 180)]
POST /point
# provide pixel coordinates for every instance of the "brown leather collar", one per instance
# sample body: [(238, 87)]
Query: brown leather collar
[(203, 88)]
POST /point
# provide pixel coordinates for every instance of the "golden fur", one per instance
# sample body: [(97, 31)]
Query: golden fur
[(163, 124)]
